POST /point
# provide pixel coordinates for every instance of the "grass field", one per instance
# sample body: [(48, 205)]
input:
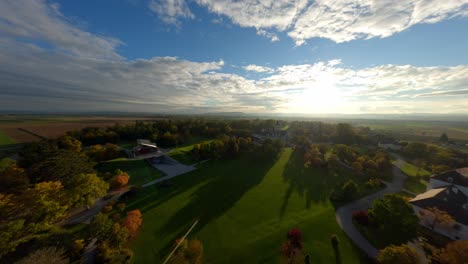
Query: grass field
[(5, 139), (416, 181), (244, 208), (182, 153), (140, 172)]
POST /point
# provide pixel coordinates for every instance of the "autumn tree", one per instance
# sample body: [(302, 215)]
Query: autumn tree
[(69, 143), (86, 189), (398, 254), (455, 252), (47, 202), (120, 179), (292, 248), (189, 252), (437, 217), (133, 222), (444, 138)]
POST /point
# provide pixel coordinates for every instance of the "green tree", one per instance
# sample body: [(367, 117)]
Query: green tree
[(86, 188), (101, 226), (46, 203), (394, 213), (444, 138), (398, 254), (69, 143), (62, 166), (350, 190), (13, 179)]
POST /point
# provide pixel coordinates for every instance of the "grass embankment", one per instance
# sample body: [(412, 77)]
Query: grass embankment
[(140, 172), (5, 139), (182, 153), (417, 178), (244, 208)]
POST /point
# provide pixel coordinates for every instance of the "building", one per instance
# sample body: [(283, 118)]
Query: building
[(458, 178), (390, 145), (145, 148), (449, 199)]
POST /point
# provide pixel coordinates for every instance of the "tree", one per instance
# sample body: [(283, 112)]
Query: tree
[(291, 249), (444, 138), (133, 222), (86, 188), (69, 143), (101, 226), (13, 179), (398, 254), (350, 190), (436, 169), (189, 252), (46, 202), (416, 149), (455, 252), (357, 167), (50, 255), (394, 213), (437, 217), (120, 180), (62, 166), (345, 134)]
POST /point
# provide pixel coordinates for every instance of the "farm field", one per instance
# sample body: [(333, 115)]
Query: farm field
[(140, 172), (5, 139), (414, 130), (26, 128), (244, 208)]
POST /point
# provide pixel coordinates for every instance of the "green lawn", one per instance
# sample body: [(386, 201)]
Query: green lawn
[(416, 181), (140, 172), (5, 139), (182, 153), (244, 208)]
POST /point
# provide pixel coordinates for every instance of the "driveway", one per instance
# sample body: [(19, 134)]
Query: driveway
[(344, 213), (171, 168)]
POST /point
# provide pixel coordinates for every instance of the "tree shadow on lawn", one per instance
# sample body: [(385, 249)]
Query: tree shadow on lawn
[(314, 184), (229, 181)]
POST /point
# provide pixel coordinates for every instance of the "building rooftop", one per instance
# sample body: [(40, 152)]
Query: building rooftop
[(458, 177), (449, 199)]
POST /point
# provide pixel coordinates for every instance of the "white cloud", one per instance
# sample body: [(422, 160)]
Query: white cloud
[(170, 11), (38, 20), (347, 20), (80, 71), (339, 20), (256, 68)]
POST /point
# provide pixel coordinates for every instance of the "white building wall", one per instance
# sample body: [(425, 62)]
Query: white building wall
[(450, 232)]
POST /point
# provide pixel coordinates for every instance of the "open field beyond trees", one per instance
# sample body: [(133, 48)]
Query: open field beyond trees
[(244, 208)]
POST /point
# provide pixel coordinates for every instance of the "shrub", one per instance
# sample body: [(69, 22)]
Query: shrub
[(361, 217)]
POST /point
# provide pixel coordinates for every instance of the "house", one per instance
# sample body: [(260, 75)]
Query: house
[(458, 178), (391, 145), (449, 199), (145, 148)]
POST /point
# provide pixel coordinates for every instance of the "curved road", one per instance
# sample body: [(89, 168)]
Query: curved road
[(344, 213)]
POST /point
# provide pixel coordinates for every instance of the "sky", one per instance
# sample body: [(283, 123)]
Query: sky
[(252, 56)]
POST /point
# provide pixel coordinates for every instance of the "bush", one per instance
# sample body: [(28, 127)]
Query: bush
[(361, 217)]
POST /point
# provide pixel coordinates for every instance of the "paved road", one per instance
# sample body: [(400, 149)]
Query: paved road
[(344, 213)]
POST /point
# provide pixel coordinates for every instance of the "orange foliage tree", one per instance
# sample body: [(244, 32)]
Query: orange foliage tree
[(120, 180), (133, 222)]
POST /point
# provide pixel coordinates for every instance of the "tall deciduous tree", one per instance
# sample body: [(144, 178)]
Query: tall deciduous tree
[(86, 188), (49, 255), (398, 254), (438, 217), (394, 213)]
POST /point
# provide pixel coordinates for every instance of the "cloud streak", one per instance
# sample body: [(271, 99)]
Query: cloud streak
[(339, 21)]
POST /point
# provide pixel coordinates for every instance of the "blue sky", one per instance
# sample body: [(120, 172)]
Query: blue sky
[(346, 56)]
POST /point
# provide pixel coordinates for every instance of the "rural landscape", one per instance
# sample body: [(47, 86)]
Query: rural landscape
[(234, 131), (218, 190)]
